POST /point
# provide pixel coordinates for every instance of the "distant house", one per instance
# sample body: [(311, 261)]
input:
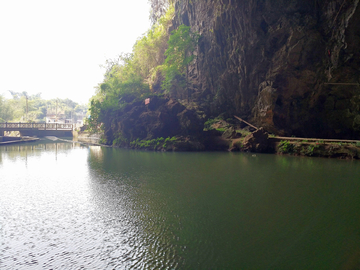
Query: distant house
[(52, 118), (60, 117)]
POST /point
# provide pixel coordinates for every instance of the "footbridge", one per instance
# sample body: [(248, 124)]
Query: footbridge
[(38, 129)]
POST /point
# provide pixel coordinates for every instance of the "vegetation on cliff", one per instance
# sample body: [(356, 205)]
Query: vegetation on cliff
[(157, 67), (179, 55), (130, 76)]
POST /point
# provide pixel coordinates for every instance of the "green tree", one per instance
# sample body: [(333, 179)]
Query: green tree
[(179, 55), (158, 63), (6, 112), (23, 107), (149, 50)]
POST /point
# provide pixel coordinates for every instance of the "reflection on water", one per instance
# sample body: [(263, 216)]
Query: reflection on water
[(22, 150), (66, 206)]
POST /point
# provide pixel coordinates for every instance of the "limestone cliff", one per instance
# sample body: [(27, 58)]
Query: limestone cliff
[(271, 61)]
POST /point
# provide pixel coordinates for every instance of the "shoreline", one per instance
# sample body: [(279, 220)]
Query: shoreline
[(5, 140), (295, 146)]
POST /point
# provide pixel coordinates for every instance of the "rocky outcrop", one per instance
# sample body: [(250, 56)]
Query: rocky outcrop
[(162, 117), (272, 61), (341, 150), (256, 142)]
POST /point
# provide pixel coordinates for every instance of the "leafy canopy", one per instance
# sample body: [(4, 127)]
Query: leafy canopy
[(158, 63), (129, 76), (179, 55)]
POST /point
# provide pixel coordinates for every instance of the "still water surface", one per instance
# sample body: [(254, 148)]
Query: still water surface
[(66, 206)]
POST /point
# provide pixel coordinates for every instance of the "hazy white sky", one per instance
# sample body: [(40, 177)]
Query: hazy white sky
[(56, 46)]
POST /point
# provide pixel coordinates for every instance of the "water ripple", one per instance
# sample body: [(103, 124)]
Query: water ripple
[(94, 208)]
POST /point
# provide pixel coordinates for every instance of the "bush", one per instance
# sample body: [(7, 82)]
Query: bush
[(310, 150), (208, 124), (154, 144), (286, 147), (119, 140)]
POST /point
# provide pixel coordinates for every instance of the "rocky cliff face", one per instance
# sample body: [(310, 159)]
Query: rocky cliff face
[(162, 117), (271, 62)]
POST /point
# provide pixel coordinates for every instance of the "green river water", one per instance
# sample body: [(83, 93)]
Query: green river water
[(70, 206)]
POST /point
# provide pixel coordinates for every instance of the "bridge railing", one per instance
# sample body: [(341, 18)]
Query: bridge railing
[(38, 126)]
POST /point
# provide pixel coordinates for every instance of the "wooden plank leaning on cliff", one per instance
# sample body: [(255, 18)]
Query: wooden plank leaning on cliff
[(245, 122)]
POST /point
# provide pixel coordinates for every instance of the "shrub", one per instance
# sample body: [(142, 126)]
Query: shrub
[(119, 140), (154, 143), (310, 150), (286, 147), (208, 124)]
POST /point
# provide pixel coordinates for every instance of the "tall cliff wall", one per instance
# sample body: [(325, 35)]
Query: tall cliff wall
[(270, 61)]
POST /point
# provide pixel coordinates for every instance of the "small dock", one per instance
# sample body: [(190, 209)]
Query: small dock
[(6, 140)]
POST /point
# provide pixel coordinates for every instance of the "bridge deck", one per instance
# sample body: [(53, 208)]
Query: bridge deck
[(35, 126)]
